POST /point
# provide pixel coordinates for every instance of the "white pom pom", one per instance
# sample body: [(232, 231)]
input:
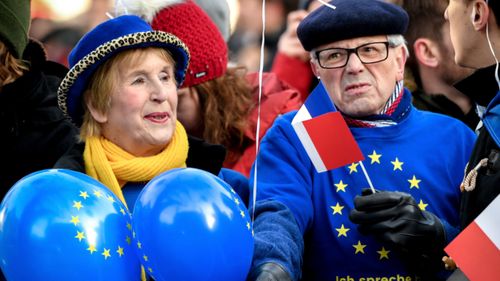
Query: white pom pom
[(144, 9)]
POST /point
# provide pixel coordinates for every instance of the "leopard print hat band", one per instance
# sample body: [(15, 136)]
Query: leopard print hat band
[(102, 42)]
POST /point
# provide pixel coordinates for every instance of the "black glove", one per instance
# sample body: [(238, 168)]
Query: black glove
[(395, 218), (269, 272)]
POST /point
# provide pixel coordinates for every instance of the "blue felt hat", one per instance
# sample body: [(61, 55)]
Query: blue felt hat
[(351, 19), (101, 43)]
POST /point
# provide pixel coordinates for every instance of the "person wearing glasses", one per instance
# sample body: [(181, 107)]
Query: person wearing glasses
[(329, 226)]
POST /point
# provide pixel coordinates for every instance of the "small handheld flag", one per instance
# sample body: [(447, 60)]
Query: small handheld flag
[(324, 134), (476, 250)]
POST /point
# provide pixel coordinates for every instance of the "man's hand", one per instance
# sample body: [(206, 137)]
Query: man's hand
[(395, 218), (289, 43)]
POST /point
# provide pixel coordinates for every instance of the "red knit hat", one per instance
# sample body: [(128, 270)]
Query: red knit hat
[(194, 27)]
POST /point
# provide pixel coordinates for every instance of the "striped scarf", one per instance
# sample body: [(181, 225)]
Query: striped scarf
[(110, 164), (394, 111)]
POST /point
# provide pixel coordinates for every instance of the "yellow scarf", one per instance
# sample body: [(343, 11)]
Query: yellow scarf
[(110, 164)]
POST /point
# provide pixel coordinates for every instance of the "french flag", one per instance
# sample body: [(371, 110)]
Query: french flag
[(476, 250), (324, 134)]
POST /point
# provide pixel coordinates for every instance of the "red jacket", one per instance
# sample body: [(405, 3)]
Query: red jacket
[(277, 98), (295, 72)]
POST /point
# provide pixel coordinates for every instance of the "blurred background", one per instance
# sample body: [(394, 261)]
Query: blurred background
[(59, 24)]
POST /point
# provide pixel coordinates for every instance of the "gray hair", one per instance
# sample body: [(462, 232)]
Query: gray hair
[(397, 40)]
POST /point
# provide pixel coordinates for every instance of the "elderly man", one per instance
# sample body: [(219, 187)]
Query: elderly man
[(325, 226)]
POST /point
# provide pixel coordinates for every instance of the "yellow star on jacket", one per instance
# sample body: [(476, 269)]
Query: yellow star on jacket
[(337, 209), (342, 231), (397, 164), (360, 248), (414, 182), (375, 157), (422, 205), (384, 254), (353, 168), (340, 186)]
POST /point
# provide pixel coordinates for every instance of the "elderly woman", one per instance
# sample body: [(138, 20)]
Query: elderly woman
[(122, 91), (218, 103)]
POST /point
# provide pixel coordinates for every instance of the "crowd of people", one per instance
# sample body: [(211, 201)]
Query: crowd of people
[(169, 86)]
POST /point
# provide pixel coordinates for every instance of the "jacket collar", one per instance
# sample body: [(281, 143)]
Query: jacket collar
[(481, 86)]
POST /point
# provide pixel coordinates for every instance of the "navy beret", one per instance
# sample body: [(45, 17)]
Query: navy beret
[(351, 19)]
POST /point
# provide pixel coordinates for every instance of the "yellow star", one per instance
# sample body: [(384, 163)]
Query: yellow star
[(139, 245), (360, 248), (150, 270), (120, 251), (75, 220), (236, 201), (340, 186), (337, 209), (80, 236), (353, 168), (242, 213), (91, 249), (414, 182), (421, 205), (77, 205), (128, 240), (375, 157), (342, 231), (97, 193), (106, 254), (84, 194), (384, 254), (145, 257), (234, 192), (248, 225), (110, 198), (129, 226), (397, 164), (122, 211)]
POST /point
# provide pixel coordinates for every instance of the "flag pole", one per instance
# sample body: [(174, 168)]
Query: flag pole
[(367, 176)]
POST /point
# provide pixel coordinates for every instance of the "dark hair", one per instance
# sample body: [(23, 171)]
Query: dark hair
[(495, 7), (426, 20)]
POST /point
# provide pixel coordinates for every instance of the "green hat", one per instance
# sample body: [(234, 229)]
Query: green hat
[(14, 24)]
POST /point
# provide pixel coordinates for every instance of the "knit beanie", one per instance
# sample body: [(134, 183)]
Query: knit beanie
[(14, 24), (193, 26)]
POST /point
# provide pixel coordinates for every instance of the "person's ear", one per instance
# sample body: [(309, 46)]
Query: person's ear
[(314, 67), (426, 52), (479, 14), (400, 61), (98, 116)]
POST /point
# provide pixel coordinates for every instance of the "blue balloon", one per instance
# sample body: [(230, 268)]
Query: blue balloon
[(64, 225), (191, 225)]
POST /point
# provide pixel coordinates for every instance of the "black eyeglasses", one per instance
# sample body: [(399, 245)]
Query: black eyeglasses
[(367, 53)]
